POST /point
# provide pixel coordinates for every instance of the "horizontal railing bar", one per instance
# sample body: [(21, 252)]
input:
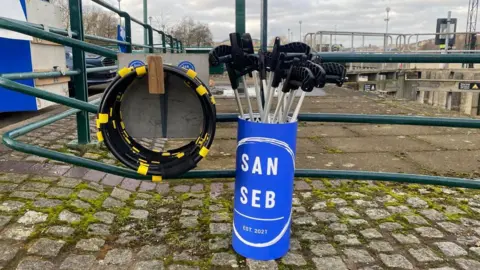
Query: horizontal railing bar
[(399, 58), (110, 40), (107, 6), (138, 21), (73, 34), (34, 32), (51, 74), (32, 91), (41, 27), (345, 33), (39, 75), (98, 69), (355, 175), (445, 90), (8, 139), (375, 119), (141, 45)]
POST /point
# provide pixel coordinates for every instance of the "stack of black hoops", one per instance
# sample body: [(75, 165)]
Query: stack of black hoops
[(156, 163)]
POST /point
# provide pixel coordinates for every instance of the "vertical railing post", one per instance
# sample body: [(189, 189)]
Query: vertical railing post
[(171, 45), (80, 80), (178, 46), (164, 43), (263, 23), (128, 30), (150, 38)]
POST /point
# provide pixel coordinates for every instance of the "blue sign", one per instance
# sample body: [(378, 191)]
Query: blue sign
[(187, 65), (265, 170), (121, 36), (136, 63)]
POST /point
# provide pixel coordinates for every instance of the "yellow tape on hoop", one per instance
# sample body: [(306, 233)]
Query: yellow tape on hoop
[(204, 152), (141, 71), (192, 74), (157, 179), (100, 136), (201, 90), (124, 71), (103, 118), (142, 169)]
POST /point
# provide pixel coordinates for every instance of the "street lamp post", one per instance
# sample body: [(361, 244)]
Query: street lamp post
[(335, 34), (386, 31), (150, 19), (300, 22), (119, 8), (145, 18), (288, 37)]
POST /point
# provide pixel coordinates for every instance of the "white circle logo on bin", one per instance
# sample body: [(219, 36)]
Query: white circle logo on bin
[(286, 147), (187, 65), (136, 63)]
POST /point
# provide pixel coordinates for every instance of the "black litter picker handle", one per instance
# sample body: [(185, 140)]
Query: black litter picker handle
[(336, 73), (295, 47), (318, 72), (247, 44), (220, 55), (302, 77)]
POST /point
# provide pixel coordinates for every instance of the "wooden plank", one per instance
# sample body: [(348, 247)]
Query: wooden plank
[(49, 81), (156, 83)]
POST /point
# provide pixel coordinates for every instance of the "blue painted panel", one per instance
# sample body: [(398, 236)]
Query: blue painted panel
[(24, 7), (15, 56)]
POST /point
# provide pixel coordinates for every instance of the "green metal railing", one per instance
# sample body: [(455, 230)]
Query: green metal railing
[(75, 39), (81, 107)]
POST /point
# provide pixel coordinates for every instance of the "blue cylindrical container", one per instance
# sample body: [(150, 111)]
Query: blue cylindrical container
[(265, 171)]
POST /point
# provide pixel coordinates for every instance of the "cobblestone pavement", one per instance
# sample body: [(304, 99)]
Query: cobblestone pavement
[(56, 216)]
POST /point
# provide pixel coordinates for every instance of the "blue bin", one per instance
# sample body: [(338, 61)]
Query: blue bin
[(265, 171)]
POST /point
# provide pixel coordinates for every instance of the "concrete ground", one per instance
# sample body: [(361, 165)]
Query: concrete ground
[(56, 216)]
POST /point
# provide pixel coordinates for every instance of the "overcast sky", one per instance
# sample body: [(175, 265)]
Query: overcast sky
[(407, 16)]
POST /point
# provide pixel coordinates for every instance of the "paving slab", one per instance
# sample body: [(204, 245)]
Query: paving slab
[(406, 130), (375, 144), (448, 162), (453, 141), (380, 162)]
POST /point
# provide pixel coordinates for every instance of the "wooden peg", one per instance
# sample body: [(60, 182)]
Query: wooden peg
[(156, 83)]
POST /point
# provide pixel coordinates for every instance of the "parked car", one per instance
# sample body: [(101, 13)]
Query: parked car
[(92, 61)]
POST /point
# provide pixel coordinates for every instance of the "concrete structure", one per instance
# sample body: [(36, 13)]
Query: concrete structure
[(437, 87)]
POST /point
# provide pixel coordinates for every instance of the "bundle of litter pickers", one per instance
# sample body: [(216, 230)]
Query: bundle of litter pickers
[(282, 73)]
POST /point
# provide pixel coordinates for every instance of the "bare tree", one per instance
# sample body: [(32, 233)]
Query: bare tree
[(192, 33), (64, 10), (95, 21), (162, 21)]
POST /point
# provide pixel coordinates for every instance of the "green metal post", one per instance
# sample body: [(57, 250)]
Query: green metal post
[(240, 16), (171, 45), (128, 30), (178, 46), (164, 43), (80, 80), (145, 21), (264, 25), (150, 38)]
